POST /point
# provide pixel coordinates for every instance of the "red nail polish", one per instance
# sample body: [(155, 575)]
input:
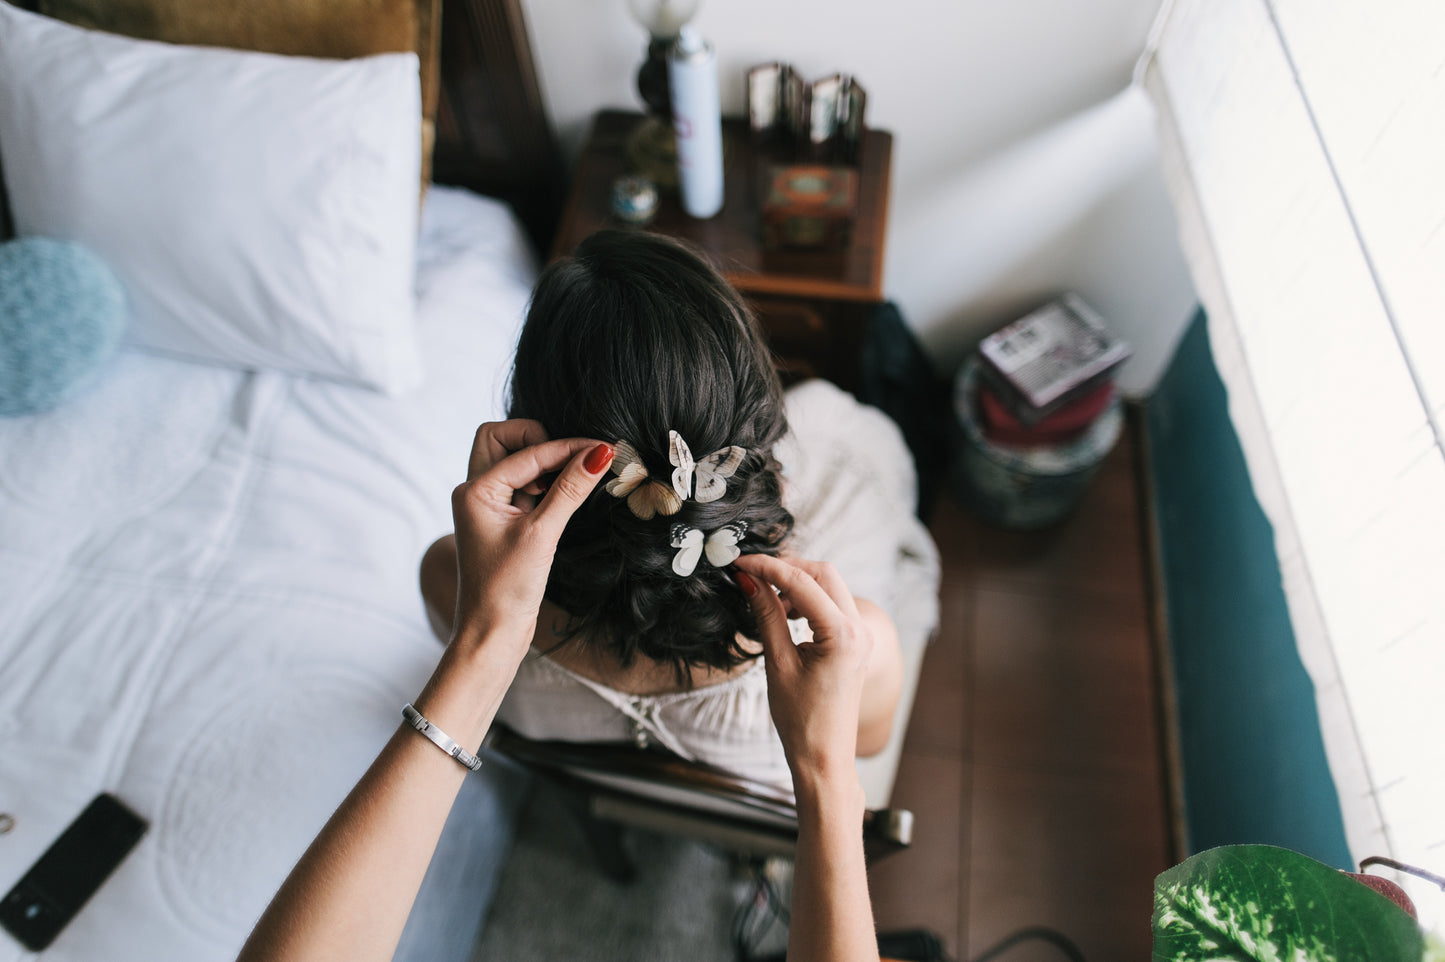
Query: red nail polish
[(746, 582), (598, 458)]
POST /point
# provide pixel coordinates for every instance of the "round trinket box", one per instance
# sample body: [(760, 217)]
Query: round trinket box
[(634, 199)]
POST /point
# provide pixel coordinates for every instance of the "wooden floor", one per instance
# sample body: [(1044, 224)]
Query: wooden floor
[(1032, 762)]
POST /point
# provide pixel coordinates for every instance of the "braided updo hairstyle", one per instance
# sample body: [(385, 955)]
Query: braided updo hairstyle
[(631, 337)]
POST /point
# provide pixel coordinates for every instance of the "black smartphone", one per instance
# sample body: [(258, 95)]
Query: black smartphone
[(63, 879)]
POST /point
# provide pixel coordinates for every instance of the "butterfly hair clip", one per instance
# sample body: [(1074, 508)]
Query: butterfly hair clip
[(707, 479), (703, 481), (721, 547), (645, 495)]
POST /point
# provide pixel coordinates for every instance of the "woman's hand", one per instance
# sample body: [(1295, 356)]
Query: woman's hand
[(508, 524), (349, 895), (814, 689), (495, 440)]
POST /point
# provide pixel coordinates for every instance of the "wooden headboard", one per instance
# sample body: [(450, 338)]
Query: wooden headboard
[(7, 228), (493, 135)]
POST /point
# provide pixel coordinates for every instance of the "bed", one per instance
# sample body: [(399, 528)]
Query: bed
[(220, 625), (208, 599)]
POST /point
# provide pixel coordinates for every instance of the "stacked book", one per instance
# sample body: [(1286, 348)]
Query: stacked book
[(1048, 376)]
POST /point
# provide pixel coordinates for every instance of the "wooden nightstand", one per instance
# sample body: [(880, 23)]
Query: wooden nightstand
[(813, 306)]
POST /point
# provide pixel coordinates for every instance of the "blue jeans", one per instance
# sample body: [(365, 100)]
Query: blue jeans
[(447, 918)]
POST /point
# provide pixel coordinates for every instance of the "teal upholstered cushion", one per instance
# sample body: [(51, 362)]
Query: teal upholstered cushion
[(62, 312)]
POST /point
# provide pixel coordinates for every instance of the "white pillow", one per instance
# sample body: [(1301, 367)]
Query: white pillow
[(260, 210)]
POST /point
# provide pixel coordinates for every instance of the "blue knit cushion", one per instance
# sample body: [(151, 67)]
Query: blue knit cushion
[(62, 312)]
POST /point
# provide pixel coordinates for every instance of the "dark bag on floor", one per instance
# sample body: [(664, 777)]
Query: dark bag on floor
[(898, 379)]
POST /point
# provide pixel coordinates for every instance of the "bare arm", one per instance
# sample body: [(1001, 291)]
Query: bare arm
[(814, 691), (883, 683), (831, 915), (349, 896)]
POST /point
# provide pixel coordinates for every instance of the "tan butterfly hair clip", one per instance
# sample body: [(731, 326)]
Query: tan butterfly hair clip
[(703, 481)]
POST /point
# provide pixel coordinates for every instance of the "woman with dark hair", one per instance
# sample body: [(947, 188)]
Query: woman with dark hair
[(644, 634), (350, 894)]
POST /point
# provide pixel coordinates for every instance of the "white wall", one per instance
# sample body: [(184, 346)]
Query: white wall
[(961, 85)]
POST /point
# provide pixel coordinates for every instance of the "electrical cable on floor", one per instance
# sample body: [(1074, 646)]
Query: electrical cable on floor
[(765, 905), (921, 945)]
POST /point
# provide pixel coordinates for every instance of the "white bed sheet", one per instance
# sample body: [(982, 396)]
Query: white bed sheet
[(208, 600)]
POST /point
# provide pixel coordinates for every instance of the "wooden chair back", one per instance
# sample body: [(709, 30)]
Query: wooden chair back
[(615, 784)]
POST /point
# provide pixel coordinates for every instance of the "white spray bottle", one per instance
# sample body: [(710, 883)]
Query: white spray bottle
[(697, 121)]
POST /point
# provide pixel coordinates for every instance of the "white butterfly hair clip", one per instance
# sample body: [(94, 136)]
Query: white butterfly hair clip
[(721, 547), (648, 497), (709, 476)]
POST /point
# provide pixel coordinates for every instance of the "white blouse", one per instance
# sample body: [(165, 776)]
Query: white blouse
[(726, 723), (851, 488)]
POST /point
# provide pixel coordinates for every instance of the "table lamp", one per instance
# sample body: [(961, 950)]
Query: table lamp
[(651, 146)]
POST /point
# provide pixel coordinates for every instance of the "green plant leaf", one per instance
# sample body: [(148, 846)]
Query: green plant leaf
[(1258, 902)]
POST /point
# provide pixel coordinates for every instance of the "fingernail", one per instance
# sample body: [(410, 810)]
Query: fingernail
[(746, 582), (598, 458)]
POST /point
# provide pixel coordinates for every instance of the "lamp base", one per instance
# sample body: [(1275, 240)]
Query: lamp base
[(652, 151)]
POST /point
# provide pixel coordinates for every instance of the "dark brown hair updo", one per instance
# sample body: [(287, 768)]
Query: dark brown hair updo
[(631, 337)]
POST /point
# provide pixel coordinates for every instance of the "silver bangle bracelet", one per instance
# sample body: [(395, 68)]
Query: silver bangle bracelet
[(440, 738)]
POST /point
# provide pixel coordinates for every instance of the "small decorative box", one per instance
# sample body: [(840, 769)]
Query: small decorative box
[(809, 206), (634, 199)]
